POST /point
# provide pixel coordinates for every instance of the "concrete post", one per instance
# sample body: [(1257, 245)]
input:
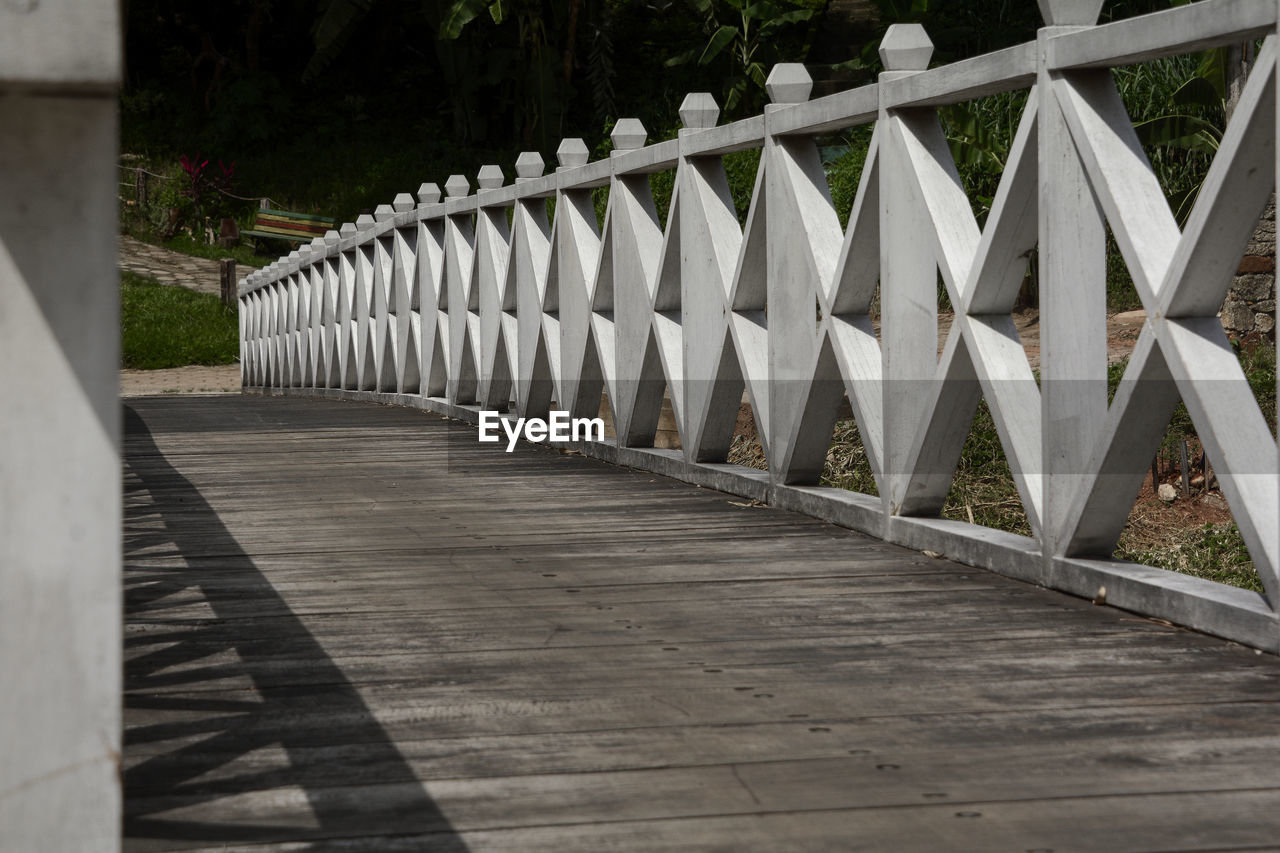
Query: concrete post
[(60, 506)]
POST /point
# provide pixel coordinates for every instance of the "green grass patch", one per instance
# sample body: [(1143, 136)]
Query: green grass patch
[(246, 259), (165, 326)]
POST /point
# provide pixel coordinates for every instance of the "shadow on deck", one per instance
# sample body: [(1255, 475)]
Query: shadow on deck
[(208, 692)]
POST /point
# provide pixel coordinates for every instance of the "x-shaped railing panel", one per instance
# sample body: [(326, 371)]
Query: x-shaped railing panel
[(1181, 278), (983, 356)]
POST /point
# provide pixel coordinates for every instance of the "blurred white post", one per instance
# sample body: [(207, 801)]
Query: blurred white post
[(60, 507)]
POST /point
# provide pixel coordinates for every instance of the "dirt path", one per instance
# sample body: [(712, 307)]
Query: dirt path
[(1122, 332), (194, 379), (169, 267)]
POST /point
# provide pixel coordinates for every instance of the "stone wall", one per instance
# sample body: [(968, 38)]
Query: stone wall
[(1250, 305)]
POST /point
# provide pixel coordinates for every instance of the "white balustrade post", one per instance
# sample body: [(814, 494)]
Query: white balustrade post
[(263, 295), (628, 134), (280, 289), (348, 320), (804, 245), (259, 280), (271, 322), (497, 306), (245, 303), (259, 331), (433, 341), (364, 304), (908, 278), (382, 324), (315, 314), (460, 242), (530, 255), (575, 256), (302, 320), (60, 505), (330, 335), (635, 247), (1073, 296), (406, 303), (709, 238), (266, 325), (289, 320)]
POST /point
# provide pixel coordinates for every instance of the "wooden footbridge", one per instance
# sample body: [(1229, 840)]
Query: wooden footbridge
[(353, 627), (349, 625)]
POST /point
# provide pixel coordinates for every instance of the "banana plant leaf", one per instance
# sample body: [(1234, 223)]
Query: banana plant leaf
[(1189, 133)]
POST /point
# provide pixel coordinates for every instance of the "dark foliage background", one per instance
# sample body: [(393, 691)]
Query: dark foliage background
[(333, 106)]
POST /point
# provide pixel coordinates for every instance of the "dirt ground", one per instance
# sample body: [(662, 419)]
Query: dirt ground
[(194, 379), (1122, 333)]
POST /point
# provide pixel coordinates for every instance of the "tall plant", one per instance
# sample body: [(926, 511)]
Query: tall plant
[(204, 187), (743, 40)]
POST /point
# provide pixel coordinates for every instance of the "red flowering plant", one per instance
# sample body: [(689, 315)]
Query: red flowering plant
[(206, 188)]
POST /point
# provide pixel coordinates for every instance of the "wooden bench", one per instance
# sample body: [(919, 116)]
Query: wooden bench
[(283, 225)]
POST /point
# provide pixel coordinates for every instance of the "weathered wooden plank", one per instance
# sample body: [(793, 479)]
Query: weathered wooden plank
[(620, 662), (1197, 822), (1088, 737), (966, 776)]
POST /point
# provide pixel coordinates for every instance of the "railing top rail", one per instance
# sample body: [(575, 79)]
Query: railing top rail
[(1184, 29)]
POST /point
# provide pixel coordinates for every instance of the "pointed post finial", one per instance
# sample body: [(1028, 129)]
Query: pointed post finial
[(572, 153), (529, 165), (905, 47), (788, 83), (457, 187), (699, 110), (628, 134), (490, 177), (428, 194), (1058, 13)]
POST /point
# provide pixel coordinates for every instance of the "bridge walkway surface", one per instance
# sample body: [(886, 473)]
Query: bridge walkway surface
[(352, 627)]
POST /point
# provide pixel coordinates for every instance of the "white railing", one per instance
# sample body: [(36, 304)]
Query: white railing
[(481, 301)]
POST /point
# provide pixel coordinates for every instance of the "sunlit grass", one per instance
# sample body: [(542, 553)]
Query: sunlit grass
[(169, 326)]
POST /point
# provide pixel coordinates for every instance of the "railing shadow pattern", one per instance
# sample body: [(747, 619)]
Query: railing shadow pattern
[(177, 550)]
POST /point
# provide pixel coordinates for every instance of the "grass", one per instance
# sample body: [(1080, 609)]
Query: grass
[(164, 326), (246, 258), (1215, 552)]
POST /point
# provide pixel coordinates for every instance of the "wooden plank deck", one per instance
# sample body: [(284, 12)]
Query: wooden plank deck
[(352, 627)]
